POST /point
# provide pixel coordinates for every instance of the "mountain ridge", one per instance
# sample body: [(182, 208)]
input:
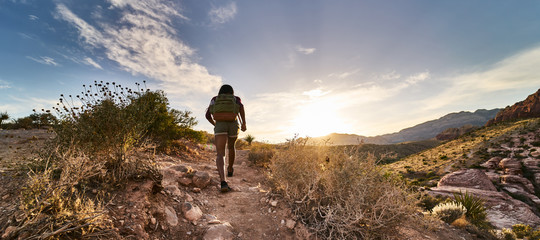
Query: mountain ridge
[(423, 131)]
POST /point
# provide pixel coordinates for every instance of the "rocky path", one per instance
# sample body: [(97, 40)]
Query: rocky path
[(249, 211)]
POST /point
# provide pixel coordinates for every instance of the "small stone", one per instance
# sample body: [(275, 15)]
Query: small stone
[(196, 190), (214, 221), (121, 222), (273, 203), (282, 222), (290, 224), (153, 220), (201, 179), (94, 191), (185, 181), (191, 212), (221, 231), (189, 198), (170, 216), (269, 210)]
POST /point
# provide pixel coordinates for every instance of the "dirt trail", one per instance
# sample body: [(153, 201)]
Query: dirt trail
[(250, 208)]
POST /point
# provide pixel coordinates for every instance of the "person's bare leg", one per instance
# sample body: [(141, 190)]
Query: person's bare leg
[(232, 153), (220, 141)]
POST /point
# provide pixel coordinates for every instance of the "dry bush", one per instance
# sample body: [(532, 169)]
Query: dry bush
[(260, 154), (55, 203), (340, 194)]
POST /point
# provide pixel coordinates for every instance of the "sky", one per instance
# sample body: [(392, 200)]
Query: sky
[(306, 67)]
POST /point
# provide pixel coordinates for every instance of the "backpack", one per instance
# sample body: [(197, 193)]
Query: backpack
[(225, 108)]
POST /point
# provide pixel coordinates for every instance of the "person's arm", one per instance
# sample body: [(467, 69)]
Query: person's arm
[(243, 117), (209, 117)]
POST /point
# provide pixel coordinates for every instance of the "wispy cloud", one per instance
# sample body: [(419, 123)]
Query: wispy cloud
[(516, 72), (143, 42), (44, 60), (223, 14), (4, 84), (33, 17), (91, 62), (306, 51)]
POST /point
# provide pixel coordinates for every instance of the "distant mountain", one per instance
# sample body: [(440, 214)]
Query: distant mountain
[(423, 131), (529, 108)]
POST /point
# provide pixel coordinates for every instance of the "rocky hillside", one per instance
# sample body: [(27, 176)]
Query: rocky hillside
[(528, 108), (423, 131), (499, 163)]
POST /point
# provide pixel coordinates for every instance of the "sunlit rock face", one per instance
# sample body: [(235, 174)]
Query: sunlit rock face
[(528, 108)]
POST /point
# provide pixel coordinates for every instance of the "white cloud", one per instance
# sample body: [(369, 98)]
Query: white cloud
[(343, 75), (144, 42), (306, 51), (4, 84), (44, 60), (91, 62), (418, 78), (33, 17), (513, 73), (220, 15)]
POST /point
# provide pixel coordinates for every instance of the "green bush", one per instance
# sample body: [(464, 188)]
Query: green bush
[(521, 230), (110, 121), (449, 211), (476, 211), (340, 194)]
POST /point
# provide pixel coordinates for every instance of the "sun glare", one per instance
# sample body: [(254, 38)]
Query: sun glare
[(318, 118)]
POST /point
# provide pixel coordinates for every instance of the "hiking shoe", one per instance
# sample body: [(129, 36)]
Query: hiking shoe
[(225, 187), (229, 174)]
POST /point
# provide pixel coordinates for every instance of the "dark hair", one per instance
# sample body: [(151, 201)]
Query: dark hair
[(227, 89)]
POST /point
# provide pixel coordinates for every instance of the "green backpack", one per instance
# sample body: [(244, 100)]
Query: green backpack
[(225, 108)]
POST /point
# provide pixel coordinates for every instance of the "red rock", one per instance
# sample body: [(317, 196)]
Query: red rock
[(529, 108), (469, 178)]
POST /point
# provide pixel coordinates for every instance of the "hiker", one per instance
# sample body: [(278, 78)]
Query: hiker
[(223, 114)]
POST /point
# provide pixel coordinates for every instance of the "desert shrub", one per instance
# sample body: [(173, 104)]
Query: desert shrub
[(476, 212), (507, 234), (261, 154), (449, 211), (35, 120), (521, 230), (535, 235), (428, 202), (55, 203), (110, 122), (249, 139), (241, 144), (340, 194)]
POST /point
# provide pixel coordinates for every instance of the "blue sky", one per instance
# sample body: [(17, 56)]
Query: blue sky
[(308, 67)]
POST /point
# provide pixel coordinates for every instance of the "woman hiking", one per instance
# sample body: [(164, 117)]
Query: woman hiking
[(222, 113)]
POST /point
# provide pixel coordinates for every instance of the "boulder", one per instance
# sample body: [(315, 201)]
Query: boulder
[(469, 178), (219, 232), (502, 210), (511, 166), (518, 182), (492, 163), (201, 179)]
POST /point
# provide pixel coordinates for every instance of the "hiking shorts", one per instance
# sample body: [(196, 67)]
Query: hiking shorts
[(226, 128)]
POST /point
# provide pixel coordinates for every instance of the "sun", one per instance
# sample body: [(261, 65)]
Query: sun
[(318, 118)]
